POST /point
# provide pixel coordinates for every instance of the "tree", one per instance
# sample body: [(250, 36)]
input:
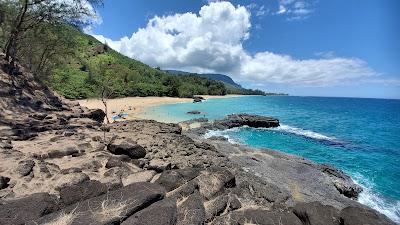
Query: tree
[(106, 81), (28, 15)]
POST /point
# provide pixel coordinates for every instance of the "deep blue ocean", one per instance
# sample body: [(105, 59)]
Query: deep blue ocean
[(359, 136)]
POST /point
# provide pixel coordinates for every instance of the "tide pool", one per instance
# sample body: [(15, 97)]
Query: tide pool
[(359, 136)]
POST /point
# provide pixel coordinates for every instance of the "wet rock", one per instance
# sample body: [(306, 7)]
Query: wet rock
[(315, 213), (191, 211), (343, 183), (197, 99), (160, 213), (4, 182), (194, 112), (81, 191), (25, 167), (132, 150), (110, 208), (354, 215), (218, 138), (20, 211), (142, 176), (238, 120)]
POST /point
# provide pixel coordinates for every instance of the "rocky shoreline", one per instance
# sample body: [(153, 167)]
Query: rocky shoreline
[(61, 165)]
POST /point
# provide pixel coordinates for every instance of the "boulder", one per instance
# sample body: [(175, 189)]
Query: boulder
[(194, 112), (142, 176), (191, 211), (213, 181), (23, 210), (70, 150), (184, 190), (218, 138), (261, 191), (197, 99), (238, 120), (163, 212), (25, 167), (4, 182), (82, 191), (133, 150), (70, 179), (315, 213), (171, 179), (216, 206), (5, 145), (120, 172), (110, 208), (159, 165), (94, 114), (343, 183), (71, 170), (360, 215), (113, 162)]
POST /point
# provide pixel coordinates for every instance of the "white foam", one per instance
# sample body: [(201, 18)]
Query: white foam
[(304, 133), (374, 200), (223, 133)]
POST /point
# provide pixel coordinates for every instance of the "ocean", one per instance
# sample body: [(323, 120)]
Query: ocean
[(359, 136)]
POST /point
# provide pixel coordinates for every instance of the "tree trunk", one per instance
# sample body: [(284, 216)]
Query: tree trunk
[(105, 109), (11, 46)]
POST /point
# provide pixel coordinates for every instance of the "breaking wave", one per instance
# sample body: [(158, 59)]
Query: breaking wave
[(306, 133), (390, 208)]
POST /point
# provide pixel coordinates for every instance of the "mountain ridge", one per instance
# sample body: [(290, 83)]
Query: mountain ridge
[(212, 76)]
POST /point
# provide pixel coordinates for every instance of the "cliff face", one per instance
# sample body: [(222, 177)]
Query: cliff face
[(61, 165)]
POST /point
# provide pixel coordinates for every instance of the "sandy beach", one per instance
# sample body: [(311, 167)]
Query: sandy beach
[(136, 107)]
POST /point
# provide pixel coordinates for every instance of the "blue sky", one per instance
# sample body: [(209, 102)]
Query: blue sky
[(302, 47)]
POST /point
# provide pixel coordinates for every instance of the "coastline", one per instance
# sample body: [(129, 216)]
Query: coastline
[(136, 107)]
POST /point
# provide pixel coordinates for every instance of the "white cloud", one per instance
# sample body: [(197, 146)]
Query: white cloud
[(211, 41), (295, 9), (259, 11), (270, 67)]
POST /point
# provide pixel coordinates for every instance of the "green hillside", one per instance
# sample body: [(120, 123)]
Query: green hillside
[(81, 75)]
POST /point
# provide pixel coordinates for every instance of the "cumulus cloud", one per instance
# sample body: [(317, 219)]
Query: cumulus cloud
[(211, 41)]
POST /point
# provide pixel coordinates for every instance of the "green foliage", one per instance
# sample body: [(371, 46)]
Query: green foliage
[(94, 66)]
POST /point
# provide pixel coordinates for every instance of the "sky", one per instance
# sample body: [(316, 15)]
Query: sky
[(345, 48)]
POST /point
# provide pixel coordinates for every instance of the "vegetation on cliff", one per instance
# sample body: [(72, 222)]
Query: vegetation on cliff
[(49, 43)]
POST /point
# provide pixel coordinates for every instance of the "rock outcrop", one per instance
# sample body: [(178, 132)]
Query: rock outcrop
[(60, 165)]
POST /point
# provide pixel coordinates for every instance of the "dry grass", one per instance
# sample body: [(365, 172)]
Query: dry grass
[(110, 209), (63, 219)]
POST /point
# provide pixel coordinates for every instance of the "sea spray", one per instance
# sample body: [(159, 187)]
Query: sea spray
[(390, 208)]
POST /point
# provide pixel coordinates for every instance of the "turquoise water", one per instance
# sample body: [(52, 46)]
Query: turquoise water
[(359, 136)]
